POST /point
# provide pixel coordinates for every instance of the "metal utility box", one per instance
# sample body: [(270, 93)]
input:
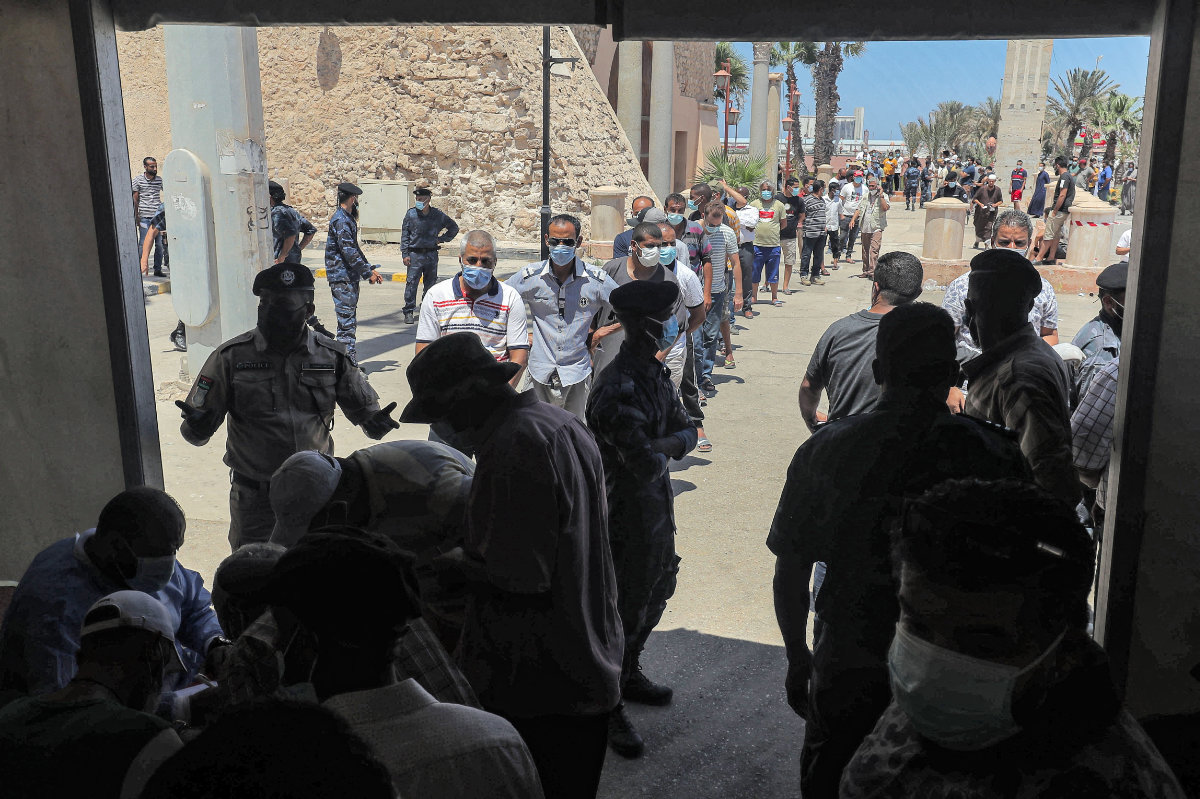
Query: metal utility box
[(381, 209)]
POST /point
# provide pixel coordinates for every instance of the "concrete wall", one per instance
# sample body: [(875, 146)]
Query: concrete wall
[(1023, 107), (61, 459), (458, 106)]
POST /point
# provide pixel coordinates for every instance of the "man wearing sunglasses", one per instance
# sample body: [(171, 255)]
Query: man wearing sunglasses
[(567, 298)]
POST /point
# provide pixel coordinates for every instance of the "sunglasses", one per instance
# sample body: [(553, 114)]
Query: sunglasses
[(475, 260), (560, 242)]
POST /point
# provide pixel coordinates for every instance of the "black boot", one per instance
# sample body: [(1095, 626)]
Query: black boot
[(179, 339), (640, 689), (622, 737)]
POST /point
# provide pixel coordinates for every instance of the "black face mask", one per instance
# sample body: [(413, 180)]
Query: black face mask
[(282, 327), (1112, 319), (354, 212)]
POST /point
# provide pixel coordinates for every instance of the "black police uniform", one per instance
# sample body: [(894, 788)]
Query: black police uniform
[(278, 404), (845, 488)]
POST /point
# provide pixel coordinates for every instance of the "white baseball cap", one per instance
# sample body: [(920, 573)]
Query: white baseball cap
[(301, 487), (131, 610)]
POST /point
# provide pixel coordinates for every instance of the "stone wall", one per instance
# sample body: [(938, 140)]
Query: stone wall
[(588, 37), (458, 106), (694, 69)]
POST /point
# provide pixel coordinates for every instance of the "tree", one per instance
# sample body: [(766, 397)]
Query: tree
[(734, 170), (1071, 100), (957, 120), (825, 60), (790, 54), (914, 137), (739, 82), (1119, 118), (987, 118)]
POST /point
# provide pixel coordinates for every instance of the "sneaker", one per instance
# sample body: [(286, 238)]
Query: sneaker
[(641, 689), (622, 736), (408, 318), (804, 281), (816, 281)]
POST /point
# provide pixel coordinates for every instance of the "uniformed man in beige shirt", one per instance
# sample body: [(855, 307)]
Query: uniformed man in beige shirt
[(278, 383)]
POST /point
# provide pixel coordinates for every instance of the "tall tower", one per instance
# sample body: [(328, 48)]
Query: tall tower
[(1023, 108)]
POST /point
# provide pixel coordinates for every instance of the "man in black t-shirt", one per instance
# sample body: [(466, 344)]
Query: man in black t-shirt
[(1057, 212), (792, 199)]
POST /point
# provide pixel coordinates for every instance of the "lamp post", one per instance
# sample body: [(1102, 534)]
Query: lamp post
[(736, 114), (725, 74), (794, 113), (787, 163), (548, 61)]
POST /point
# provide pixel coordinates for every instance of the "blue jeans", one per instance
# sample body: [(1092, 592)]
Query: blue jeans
[(767, 257), (159, 242), (710, 333), (424, 267)]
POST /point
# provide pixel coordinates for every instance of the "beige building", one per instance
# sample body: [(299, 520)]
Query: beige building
[(459, 106)]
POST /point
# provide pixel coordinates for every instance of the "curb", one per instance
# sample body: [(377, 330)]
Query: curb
[(150, 289)]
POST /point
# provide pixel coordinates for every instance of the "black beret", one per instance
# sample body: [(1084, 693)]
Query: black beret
[(643, 297), (1009, 263), (422, 192), (450, 369), (274, 188), (349, 188), (284, 277), (1113, 277)]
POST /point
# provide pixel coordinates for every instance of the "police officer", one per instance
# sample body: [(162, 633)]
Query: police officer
[(345, 266), (639, 422), (1100, 339), (287, 225), (279, 383), (424, 228)]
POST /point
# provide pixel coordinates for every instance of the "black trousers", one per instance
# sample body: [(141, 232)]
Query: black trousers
[(687, 386), (847, 693), (568, 752), (746, 257), (647, 570)]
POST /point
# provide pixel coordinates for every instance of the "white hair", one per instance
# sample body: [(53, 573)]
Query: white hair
[(477, 238)]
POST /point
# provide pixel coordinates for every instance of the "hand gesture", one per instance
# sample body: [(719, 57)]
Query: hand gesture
[(380, 424), (195, 417), (375, 277)]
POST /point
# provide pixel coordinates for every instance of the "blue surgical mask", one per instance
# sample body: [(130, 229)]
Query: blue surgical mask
[(674, 219), (766, 195), (692, 205), (670, 332), (420, 205), (712, 228), (666, 256), (955, 700), (562, 255), (951, 183), (152, 574), (858, 181), (477, 277)]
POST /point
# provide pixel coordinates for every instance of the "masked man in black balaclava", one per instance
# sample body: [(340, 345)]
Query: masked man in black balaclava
[(279, 383)]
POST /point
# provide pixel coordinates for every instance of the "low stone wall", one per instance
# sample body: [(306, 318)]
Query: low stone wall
[(1063, 278)]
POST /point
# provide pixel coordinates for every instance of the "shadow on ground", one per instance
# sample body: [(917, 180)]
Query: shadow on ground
[(728, 733)]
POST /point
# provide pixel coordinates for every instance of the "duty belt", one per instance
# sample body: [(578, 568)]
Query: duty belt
[(250, 482)]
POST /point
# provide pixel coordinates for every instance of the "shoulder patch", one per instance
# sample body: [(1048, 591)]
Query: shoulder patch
[(203, 384)]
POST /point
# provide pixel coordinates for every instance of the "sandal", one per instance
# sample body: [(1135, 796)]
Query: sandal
[(777, 303), (748, 314), (729, 363), (704, 445)]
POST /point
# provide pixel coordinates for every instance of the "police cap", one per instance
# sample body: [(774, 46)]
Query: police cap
[(348, 188), (643, 297), (1009, 263), (275, 190), (1113, 277), (422, 191), (284, 277)]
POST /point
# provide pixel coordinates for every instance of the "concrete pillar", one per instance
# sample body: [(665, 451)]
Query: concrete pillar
[(945, 222), (774, 81), (216, 115), (758, 100), (78, 416), (1022, 108), (629, 92), (608, 218), (825, 173), (1090, 241), (662, 125)]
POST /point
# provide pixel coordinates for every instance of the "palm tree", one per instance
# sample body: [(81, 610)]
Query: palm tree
[(790, 54), (1119, 117), (734, 170), (828, 60), (957, 120), (914, 137), (988, 118), (739, 70), (1076, 91)]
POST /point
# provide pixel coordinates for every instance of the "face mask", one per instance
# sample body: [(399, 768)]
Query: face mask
[(952, 183), (955, 700), (281, 326), (648, 256), (691, 205), (420, 204), (152, 574), (666, 256), (711, 228), (670, 332), (858, 181), (477, 277), (354, 211), (766, 195), (562, 254), (674, 219)]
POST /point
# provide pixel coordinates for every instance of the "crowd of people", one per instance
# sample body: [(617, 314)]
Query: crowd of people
[(466, 615)]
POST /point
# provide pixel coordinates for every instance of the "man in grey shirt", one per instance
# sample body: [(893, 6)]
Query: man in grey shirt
[(841, 364), (147, 196)]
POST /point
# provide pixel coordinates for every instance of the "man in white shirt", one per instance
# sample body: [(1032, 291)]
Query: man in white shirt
[(1124, 243), (852, 194)]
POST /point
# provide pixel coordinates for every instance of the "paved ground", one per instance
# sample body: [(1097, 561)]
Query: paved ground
[(729, 733)]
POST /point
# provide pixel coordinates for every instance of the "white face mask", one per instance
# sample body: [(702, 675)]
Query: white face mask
[(955, 700), (648, 256), (152, 574)]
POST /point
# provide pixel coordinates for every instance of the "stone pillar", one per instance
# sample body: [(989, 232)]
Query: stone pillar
[(629, 92), (1090, 241), (608, 219), (775, 79), (945, 222), (662, 127), (1022, 108), (825, 173), (758, 100)]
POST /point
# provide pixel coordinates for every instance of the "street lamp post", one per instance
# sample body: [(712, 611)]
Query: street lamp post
[(736, 113), (725, 74), (548, 61)]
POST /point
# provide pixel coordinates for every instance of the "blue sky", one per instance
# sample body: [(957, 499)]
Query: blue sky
[(898, 81)]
